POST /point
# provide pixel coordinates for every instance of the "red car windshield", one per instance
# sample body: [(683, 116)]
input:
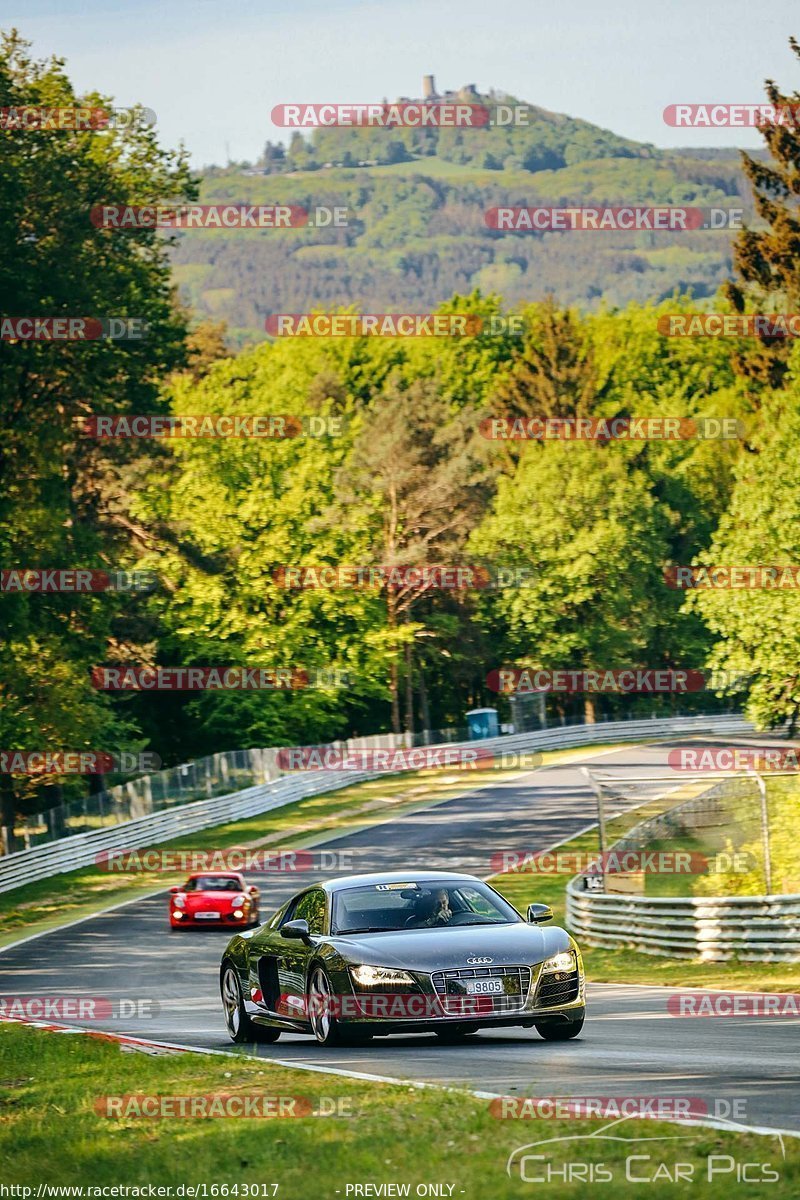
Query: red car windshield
[(214, 883)]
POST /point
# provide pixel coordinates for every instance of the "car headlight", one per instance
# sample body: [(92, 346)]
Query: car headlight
[(565, 961), (179, 901), (238, 901), (375, 976)]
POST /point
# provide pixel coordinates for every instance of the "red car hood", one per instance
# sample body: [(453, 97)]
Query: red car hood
[(211, 901)]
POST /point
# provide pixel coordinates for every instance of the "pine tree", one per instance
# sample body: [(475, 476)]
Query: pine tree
[(767, 261)]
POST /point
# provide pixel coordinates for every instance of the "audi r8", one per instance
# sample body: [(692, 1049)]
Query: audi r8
[(420, 952), (213, 898)]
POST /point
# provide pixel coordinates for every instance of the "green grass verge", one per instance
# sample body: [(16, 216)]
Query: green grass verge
[(49, 903), (51, 1133)]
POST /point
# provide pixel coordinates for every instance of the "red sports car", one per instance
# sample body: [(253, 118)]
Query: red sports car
[(213, 898)]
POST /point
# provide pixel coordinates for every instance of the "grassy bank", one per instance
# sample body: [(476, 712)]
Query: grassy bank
[(51, 1133)]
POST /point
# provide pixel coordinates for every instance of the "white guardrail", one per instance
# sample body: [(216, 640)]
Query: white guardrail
[(81, 849), (760, 928), (713, 929)]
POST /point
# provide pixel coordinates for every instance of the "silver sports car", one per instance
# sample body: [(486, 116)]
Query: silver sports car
[(416, 952)]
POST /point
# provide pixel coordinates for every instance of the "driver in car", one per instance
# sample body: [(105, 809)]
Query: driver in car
[(440, 911)]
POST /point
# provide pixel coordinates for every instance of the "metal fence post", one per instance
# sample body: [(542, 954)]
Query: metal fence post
[(601, 816), (762, 791)]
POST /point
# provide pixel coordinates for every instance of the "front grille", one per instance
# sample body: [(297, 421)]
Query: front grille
[(450, 987), (556, 988)]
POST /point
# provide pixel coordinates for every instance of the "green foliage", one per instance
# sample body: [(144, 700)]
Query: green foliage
[(758, 630)]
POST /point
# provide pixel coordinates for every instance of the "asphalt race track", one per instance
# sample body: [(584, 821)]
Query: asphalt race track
[(629, 1046)]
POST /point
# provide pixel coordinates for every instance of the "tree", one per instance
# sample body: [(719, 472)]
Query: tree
[(758, 629), (552, 374), (589, 530), (415, 483), (766, 260), (66, 496)]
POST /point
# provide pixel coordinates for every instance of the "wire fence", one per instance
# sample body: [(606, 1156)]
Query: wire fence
[(206, 778)]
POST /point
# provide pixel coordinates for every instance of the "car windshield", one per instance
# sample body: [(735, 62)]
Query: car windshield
[(214, 883), (432, 904)]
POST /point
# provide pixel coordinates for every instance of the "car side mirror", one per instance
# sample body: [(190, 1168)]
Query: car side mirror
[(253, 891), (297, 930), (537, 913), (174, 891)]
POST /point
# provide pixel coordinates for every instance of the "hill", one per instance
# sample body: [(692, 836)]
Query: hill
[(416, 232)]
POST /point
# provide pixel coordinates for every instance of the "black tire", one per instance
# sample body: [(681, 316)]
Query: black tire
[(454, 1034), (240, 1027), (558, 1031), (324, 1026)]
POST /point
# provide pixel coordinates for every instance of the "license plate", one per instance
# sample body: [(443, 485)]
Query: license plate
[(206, 916), (484, 987)]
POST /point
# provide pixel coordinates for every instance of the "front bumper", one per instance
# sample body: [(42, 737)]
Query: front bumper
[(440, 999), (196, 920)]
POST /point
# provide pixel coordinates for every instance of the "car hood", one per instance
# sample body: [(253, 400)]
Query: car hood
[(445, 949)]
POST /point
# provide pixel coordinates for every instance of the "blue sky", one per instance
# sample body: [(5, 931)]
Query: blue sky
[(213, 71)]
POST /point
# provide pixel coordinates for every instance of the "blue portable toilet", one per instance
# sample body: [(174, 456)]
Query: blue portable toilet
[(483, 723)]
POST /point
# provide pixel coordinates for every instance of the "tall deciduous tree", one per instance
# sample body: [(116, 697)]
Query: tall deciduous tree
[(589, 530), (759, 628), (65, 496)]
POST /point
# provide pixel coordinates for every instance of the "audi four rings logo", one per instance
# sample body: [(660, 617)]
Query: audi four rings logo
[(476, 962)]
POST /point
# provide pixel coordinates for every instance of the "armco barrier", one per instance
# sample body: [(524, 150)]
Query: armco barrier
[(713, 929), (81, 849)]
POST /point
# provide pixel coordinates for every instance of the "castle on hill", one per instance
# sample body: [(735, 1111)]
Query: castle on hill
[(467, 94)]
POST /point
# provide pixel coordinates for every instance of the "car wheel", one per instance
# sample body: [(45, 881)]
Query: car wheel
[(454, 1035), (320, 996), (240, 1027), (556, 1031)]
